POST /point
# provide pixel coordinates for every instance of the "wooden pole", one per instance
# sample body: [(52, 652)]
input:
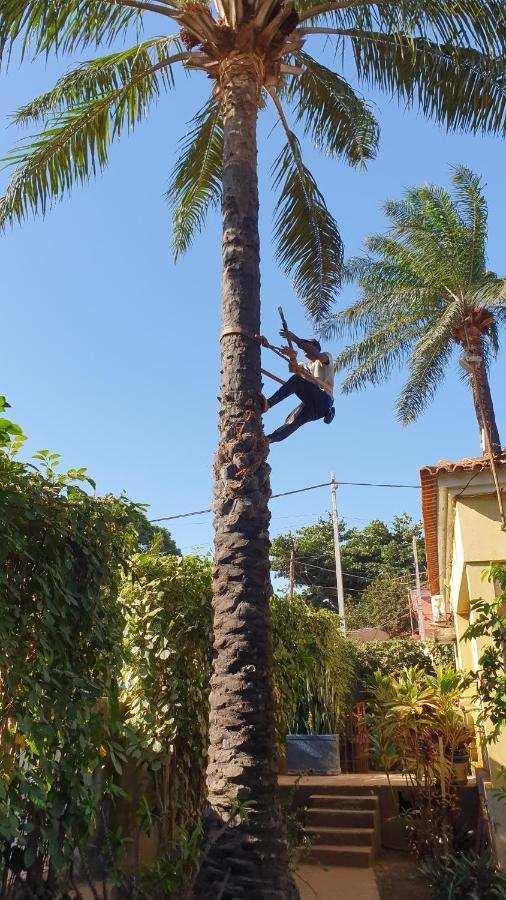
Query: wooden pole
[(421, 623), (291, 581), (270, 375), (337, 553)]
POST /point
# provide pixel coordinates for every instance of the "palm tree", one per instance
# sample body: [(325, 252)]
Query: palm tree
[(444, 56), (426, 290)]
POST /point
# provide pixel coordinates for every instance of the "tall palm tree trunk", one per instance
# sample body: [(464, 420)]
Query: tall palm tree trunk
[(482, 396), (244, 856)]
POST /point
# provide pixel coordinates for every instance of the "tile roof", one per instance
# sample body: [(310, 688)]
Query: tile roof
[(429, 482)]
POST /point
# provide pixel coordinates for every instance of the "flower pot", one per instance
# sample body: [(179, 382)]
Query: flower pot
[(460, 767), (314, 754)]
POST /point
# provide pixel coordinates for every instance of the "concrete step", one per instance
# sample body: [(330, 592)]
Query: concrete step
[(359, 857), (330, 836), (323, 787), (352, 818), (327, 801)]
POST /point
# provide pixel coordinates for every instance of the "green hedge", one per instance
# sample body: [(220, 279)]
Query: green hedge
[(60, 654), (392, 656)]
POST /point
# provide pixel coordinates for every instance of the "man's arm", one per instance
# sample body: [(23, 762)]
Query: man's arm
[(305, 346)]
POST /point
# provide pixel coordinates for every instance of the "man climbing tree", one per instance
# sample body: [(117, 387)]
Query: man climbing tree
[(312, 383)]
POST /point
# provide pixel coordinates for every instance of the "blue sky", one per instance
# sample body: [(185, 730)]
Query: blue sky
[(110, 351)]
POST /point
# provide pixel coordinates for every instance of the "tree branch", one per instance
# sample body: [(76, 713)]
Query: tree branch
[(145, 7), (346, 32), (348, 4)]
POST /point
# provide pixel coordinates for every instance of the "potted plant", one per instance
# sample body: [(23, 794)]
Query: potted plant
[(461, 755)]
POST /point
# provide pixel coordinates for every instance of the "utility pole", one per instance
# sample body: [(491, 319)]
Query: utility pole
[(291, 577), (421, 623), (337, 553)]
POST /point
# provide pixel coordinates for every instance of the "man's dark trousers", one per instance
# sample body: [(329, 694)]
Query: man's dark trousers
[(315, 405)]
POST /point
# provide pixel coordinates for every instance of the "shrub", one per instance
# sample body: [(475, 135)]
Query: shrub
[(390, 657), (314, 669), (60, 640)]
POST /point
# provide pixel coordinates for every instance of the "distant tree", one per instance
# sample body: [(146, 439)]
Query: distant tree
[(384, 604), (366, 554), (426, 292), (148, 532)]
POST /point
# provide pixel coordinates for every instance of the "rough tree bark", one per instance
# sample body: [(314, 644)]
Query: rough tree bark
[(480, 385), (245, 856)]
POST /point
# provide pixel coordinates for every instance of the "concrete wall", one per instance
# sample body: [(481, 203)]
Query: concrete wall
[(477, 540)]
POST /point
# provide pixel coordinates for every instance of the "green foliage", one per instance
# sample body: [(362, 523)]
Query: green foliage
[(489, 621), (11, 435), (196, 179), (149, 533), (446, 58), (464, 876), (384, 604), (85, 112), (409, 713), (167, 644), (338, 121), (419, 283), (313, 669), (308, 243), (390, 657), (366, 555), (60, 640)]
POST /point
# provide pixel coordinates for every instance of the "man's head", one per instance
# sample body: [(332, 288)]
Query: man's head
[(317, 348)]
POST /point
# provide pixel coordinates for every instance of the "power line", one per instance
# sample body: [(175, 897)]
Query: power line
[(311, 487)]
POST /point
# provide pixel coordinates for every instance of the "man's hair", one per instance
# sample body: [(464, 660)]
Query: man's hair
[(316, 343)]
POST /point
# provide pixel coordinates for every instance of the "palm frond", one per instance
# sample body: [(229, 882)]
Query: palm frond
[(459, 88), (339, 122), (196, 180), (97, 77), (425, 375), (475, 24), (372, 359), (75, 144), (309, 245), (44, 25), (472, 209)]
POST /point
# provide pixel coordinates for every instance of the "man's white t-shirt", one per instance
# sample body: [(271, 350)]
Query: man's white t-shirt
[(323, 371)]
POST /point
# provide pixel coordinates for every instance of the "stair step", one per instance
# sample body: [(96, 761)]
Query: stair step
[(340, 790), (341, 818), (326, 801), (329, 835), (361, 857)]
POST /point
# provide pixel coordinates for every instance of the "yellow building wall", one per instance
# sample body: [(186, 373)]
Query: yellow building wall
[(478, 540)]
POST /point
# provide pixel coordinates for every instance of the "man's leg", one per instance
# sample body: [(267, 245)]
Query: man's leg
[(295, 385), (297, 417)]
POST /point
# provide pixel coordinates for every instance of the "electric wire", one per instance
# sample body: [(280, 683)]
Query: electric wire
[(311, 487)]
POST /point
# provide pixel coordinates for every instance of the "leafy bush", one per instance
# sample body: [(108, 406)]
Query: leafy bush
[(466, 876), (166, 602), (313, 669), (490, 622), (390, 657), (60, 640)]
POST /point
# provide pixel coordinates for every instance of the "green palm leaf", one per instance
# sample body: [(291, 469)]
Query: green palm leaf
[(308, 242), (196, 180), (339, 122), (478, 24), (457, 86), (44, 25), (76, 142), (98, 77)]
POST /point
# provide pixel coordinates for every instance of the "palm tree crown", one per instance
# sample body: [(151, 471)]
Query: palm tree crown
[(443, 56), (425, 289)]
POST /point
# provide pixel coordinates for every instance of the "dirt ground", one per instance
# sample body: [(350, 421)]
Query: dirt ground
[(398, 877)]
